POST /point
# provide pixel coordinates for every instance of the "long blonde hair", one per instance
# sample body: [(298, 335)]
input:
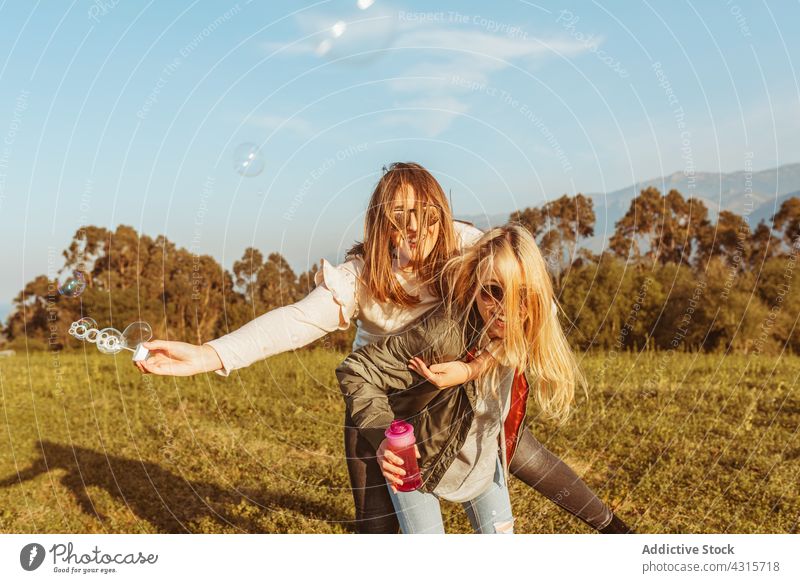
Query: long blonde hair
[(534, 339), (376, 249)]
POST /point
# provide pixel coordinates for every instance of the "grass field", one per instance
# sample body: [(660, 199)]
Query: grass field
[(682, 443)]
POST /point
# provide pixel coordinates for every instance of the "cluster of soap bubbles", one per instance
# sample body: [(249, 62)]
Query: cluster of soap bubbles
[(111, 340), (72, 284), (247, 160), (359, 36)]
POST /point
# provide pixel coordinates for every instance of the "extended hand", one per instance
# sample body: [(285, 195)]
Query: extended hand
[(178, 359), (444, 375)]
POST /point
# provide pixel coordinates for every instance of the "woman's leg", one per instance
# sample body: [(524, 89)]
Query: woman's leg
[(490, 512), (374, 510), (418, 512), (535, 465)]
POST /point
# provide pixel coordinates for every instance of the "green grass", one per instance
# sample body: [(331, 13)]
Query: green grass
[(688, 443)]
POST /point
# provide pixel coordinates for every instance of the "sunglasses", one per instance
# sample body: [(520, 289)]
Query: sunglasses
[(493, 292), (430, 216)]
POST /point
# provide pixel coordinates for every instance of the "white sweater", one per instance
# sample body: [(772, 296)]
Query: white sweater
[(331, 306)]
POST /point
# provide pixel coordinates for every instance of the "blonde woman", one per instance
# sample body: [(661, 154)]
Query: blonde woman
[(409, 235), (498, 303)]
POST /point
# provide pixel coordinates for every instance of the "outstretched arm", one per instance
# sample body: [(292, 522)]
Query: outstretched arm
[(329, 307)]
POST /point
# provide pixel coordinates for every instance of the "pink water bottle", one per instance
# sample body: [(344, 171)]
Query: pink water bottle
[(401, 441)]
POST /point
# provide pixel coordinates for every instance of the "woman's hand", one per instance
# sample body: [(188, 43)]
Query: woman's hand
[(178, 359), (390, 463), (444, 375)]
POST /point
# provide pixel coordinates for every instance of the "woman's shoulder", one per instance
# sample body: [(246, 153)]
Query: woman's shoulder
[(352, 265), (467, 233), (340, 279)]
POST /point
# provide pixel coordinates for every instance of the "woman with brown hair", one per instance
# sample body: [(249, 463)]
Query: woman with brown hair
[(387, 282)]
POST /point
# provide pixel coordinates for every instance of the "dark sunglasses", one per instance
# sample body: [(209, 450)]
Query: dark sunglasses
[(402, 218), (493, 292)]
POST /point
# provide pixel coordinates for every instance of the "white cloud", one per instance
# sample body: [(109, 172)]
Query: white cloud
[(448, 74), (296, 125), (431, 115), (492, 45), (457, 56)]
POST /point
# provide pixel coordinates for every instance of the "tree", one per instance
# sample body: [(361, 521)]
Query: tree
[(247, 271), (557, 226), (730, 240), (763, 245), (635, 233), (787, 220), (661, 229)]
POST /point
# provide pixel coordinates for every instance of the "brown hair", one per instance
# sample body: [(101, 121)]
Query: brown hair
[(376, 249)]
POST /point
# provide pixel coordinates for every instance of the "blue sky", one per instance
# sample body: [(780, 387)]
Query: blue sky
[(130, 112)]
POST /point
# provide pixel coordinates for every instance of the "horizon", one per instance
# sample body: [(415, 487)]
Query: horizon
[(127, 115), (7, 307)]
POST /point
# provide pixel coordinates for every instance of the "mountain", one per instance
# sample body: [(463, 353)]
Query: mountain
[(485, 222), (768, 209), (759, 192)]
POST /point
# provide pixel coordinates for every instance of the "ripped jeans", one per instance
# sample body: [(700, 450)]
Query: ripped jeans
[(489, 513)]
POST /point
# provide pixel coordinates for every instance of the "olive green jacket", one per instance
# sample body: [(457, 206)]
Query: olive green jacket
[(378, 387)]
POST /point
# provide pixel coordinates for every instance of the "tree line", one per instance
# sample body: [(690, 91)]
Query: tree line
[(131, 276), (669, 279)]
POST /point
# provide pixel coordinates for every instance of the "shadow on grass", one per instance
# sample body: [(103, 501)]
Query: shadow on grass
[(166, 500)]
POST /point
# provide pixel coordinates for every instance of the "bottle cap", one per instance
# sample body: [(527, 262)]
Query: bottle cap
[(398, 429)]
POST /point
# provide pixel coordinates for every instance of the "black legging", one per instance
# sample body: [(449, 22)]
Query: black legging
[(533, 463)]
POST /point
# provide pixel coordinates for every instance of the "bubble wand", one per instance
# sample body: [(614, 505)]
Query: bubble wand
[(111, 340)]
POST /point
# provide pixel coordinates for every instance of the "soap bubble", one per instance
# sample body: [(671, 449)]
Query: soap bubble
[(72, 285), (358, 36), (135, 334), (247, 160), (109, 341), (80, 328)]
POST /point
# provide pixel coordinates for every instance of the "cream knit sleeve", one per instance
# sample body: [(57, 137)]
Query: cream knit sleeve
[(329, 307)]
